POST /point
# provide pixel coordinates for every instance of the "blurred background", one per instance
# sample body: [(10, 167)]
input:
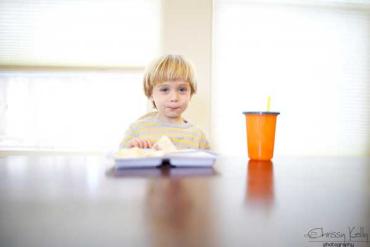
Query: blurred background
[(71, 71)]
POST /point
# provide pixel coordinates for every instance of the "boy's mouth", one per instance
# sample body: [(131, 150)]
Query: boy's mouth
[(173, 108)]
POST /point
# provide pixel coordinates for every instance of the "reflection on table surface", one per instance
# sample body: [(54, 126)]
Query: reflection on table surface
[(70, 200), (260, 182)]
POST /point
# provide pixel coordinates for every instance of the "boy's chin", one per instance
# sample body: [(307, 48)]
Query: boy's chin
[(173, 116)]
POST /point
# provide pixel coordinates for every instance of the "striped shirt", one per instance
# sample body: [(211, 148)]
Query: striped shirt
[(149, 127)]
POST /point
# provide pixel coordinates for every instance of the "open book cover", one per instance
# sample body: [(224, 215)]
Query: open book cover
[(161, 171), (141, 158), (162, 152)]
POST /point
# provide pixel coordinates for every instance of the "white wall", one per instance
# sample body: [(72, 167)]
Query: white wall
[(187, 30)]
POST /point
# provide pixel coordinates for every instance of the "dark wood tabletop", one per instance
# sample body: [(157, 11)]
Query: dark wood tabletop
[(76, 200)]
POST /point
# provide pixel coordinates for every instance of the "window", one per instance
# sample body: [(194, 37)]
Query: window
[(73, 111), (78, 33), (71, 71), (311, 57)]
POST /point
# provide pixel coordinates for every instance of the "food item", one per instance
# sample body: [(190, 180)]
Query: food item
[(132, 153), (165, 144)]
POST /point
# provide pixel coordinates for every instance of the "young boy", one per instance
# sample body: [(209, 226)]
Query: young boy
[(169, 83)]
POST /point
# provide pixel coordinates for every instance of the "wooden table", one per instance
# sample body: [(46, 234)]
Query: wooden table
[(71, 200)]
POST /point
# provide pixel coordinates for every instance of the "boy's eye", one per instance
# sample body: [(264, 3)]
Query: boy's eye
[(164, 89), (183, 89)]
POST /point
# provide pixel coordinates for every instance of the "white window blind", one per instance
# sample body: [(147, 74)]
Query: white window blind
[(71, 71), (89, 33), (68, 111), (311, 57)]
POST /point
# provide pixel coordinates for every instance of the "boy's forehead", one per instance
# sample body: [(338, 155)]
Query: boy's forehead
[(174, 82)]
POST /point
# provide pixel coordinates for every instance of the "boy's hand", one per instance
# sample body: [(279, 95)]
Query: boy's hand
[(139, 143)]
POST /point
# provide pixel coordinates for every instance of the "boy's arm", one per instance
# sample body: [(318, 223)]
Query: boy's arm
[(129, 134), (131, 140)]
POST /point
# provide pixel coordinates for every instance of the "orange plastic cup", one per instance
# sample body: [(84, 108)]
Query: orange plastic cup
[(260, 134)]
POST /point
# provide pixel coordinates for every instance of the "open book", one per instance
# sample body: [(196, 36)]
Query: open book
[(140, 158), (163, 152)]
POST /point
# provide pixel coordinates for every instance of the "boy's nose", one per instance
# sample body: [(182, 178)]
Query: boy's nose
[(174, 96)]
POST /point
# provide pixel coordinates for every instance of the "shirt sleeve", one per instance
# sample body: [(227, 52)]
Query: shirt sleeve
[(129, 134)]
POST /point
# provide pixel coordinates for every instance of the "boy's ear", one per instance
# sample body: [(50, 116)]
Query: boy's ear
[(152, 100)]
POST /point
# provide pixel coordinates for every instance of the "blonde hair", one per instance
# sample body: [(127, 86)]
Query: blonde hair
[(169, 68)]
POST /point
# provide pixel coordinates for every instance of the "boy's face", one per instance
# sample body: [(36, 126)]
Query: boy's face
[(171, 99)]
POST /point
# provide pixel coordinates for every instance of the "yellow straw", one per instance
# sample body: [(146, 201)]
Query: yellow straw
[(268, 103)]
